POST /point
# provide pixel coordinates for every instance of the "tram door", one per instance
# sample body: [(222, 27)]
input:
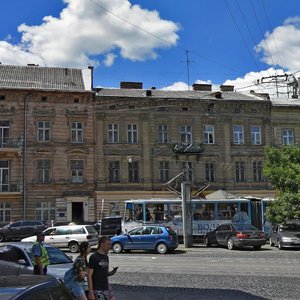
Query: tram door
[(256, 214)]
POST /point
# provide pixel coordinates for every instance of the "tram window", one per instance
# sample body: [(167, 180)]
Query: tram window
[(226, 211), (204, 211), (244, 207), (175, 212), (138, 212)]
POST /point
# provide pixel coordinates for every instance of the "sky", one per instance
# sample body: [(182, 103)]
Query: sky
[(167, 44)]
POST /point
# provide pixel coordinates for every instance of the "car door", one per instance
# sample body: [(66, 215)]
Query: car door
[(61, 237), (133, 240), (14, 230), (148, 237), (222, 233), (50, 234)]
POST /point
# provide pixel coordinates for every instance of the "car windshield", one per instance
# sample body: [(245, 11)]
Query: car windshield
[(241, 227), (91, 230), (56, 256), (290, 227)]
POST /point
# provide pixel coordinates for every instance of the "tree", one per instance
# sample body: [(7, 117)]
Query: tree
[(282, 168)]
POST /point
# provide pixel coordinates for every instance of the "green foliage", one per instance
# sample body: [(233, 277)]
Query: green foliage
[(282, 168)]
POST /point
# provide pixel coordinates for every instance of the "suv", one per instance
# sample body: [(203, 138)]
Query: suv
[(68, 236), (20, 229), (109, 226)]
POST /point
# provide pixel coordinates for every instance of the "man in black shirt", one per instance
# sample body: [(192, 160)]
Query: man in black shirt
[(98, 272)]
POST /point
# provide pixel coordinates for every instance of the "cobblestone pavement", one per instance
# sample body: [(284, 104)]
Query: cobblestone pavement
[(202, 273)]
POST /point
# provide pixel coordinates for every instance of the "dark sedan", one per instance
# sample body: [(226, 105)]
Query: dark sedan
[(236, 235), (32, 287)]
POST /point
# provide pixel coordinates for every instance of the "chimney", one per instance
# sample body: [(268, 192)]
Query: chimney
[(201, 87), (131, 85), (227, 88), (148, 93)]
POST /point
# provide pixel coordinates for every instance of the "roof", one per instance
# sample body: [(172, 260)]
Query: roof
[(220, 194), (43, 78), (286, 102), (204, 95)]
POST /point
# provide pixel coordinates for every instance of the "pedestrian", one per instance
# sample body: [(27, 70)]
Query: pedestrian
[(98, 272), (40, 256), (52, 222), (74, 278)]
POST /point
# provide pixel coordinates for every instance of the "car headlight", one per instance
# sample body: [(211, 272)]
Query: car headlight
[(286, 239)]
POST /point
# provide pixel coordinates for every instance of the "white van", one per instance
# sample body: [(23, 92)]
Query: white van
[(68, 236)]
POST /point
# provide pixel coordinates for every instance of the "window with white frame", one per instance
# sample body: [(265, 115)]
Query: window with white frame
[(76, 132), (209, 134), (5, 212), (45, 211), (43, 171), (43, 128), (4, 175), (4, 133), (113, 133), (186, 134), (77, 171), (288, 137), (114, 171), (133, 171), (210, 172), (163, 135), (164, 171), (240, 171), (188, 174), (255, 135), (257, 171), (238, 134), (132, 133)]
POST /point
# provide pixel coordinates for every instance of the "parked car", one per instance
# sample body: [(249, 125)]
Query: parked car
[(236, 235), (69, 236), (286, 236), (109, 226), (20, 229), (32, 287), (16, 258), (152, 237)]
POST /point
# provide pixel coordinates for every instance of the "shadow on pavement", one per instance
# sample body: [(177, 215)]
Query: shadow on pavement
[(124, 292)]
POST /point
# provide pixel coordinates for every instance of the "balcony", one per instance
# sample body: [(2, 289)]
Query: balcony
[(10, 187), (185, 148), (10, 148)]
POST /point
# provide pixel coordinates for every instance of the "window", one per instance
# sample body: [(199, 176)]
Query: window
[(45, 211), (209, 134), (238, 134), (43, 171), (288, 137), (4, 175), (133, 171), (163, 136), (210, 172), (4, 134), (132, 133), (188, 174), (163, 171), (255, 135), (43, 131), (114, 171), (257, 171), (186, 134), (77, 168), (5, 210), (76, 132), (240, 171), (113, 133)]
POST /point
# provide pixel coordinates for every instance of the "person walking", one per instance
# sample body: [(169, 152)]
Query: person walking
[(40, 256), (74, 278), (98, 272)]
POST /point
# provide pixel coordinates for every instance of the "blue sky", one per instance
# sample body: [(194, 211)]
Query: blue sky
[(228, 41)]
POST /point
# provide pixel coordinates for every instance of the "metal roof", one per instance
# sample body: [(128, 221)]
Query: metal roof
[(42, 78)]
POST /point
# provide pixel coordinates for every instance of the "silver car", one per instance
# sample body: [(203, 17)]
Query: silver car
[(16, 258)]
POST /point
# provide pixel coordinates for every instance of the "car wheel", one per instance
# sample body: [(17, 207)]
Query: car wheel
[(161, 248), (117, 248), (230, 244), (271, 242), (257, 247), (207, 242), (2, 237), (74, 247), (280, 247)]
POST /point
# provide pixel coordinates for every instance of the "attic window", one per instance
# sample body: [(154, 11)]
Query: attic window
[(185, 108), (76, 100), (44, 99), (2, 97)]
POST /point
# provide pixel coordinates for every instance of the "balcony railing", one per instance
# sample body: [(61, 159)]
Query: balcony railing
[(11, 143), (10, 187), (185, 148)]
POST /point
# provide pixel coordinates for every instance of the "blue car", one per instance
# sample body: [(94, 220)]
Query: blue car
[(149, 237)]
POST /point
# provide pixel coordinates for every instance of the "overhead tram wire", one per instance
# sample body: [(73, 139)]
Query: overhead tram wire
[(163, 40)]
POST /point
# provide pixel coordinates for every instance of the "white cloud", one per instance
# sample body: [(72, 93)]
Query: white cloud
[(84, 31), (176, 86), (285, 51)]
